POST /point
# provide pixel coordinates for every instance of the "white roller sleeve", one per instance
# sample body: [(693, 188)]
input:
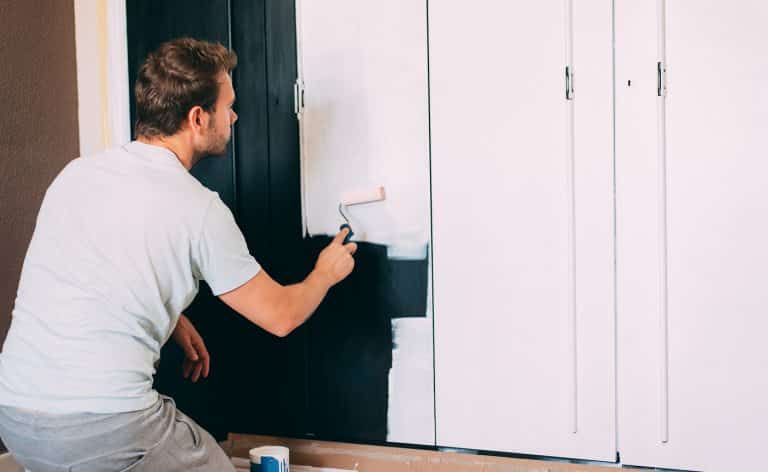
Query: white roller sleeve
[(363, 196)]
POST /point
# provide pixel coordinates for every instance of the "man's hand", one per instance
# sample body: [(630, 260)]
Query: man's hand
[(335, 262), (197, 361)]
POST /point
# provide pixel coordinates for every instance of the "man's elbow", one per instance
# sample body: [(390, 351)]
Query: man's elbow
[(282, 330), (284, 326)]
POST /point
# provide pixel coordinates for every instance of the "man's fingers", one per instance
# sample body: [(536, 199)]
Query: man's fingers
[(199, 346), (205, 362), (205, 357), (193, 370), (187, 367), (340, 236), (189, 349), (196, 372), (351, 247)]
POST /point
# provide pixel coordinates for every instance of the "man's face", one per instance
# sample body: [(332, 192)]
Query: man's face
[(221, 118)]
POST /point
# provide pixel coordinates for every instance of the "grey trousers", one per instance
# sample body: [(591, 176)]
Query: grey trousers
[(160, 438)]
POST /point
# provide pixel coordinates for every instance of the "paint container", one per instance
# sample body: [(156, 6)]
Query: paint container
[(269, 459)]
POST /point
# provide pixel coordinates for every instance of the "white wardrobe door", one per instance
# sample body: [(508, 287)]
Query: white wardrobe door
[(692, 253), (522, 218), (364, 67)]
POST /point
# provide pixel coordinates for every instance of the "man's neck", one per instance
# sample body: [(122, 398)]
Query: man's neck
[(183, 152)]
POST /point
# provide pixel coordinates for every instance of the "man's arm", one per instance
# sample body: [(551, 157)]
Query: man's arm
[(281, 309)]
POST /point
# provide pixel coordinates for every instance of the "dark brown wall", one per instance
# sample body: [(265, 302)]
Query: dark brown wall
[(38, 122)]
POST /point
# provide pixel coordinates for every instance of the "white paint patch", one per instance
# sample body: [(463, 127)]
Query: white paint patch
[(411, 414), (411, 388), (410, 417), (365, 119)]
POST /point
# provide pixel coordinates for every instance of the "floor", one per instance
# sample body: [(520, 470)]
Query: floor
[(358, 457), (7, 464)]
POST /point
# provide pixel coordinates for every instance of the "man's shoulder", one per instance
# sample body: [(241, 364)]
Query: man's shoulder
[(116, 168), (85, 162), (94, 157)]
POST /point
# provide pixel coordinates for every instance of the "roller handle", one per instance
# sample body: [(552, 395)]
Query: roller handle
[(349, 235)]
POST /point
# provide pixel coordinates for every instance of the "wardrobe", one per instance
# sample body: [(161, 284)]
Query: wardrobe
[(571, 255)]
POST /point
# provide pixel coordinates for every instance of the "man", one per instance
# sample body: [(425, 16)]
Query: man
[(121, 241)]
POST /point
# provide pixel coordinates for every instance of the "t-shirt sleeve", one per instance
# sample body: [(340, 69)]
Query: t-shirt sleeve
[(222, 257)]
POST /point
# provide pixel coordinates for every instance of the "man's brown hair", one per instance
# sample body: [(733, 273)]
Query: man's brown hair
[(179, 75)]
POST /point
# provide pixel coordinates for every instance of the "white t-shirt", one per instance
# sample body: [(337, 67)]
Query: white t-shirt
[(121, 241)]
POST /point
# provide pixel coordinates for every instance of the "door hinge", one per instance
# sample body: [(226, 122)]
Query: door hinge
[(661, 79), (569, 92), (298, 97)]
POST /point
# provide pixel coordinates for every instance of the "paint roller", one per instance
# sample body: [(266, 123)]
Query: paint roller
[(358, 198)]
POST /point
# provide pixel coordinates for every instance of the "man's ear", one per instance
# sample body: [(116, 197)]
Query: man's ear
[(197, 118)]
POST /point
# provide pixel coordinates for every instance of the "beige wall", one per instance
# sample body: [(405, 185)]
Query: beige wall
[(38, 126)]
